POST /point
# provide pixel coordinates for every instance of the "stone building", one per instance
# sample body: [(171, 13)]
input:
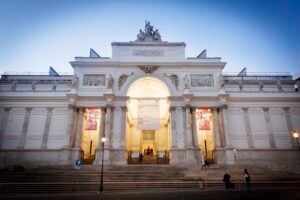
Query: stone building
[(148, 95)]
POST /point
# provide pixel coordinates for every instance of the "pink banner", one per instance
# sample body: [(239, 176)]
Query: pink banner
[(92, 116), (203, 119)]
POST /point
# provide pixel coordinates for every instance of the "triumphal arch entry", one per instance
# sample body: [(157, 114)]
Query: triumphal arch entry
[(147, 99)]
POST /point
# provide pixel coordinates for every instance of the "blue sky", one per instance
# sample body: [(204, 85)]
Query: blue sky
[(262, 35)]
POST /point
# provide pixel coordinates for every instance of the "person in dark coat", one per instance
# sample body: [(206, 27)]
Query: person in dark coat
[(141, 158), (247, 178), (226, 180)]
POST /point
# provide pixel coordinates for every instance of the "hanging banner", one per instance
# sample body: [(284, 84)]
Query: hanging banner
[(148, 115), (92, 116), (203, 119)]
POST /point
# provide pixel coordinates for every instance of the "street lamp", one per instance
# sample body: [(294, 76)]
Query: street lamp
[(103, 139), (296, 136)]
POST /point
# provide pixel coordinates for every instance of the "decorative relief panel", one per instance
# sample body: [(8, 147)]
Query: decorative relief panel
[(202, 80), (146, 53), (94, 80)]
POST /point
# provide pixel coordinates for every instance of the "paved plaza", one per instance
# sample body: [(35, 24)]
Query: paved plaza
[(174, 194)]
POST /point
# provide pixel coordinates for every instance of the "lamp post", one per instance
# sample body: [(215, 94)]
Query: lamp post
[(103, 139), (296, 136)]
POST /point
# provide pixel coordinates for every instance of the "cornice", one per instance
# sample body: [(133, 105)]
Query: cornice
[(132, 63)]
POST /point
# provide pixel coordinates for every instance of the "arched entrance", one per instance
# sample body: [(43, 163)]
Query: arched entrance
[(148, 127)]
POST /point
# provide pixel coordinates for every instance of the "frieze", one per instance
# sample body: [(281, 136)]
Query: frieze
[(150, 53), (202, 80), (94, 80)]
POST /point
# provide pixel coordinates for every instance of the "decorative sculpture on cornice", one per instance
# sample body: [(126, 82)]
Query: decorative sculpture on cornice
[(221, 81), (148, 34), (74, 82), (186, 81), (14, 86), (173, 78), (123, 78), (110, 81), (148, 69)]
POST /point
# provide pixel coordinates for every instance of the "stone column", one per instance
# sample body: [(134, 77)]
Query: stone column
[(225, 126), (188, 129), (25, 128), (108, 126), (101, 127), (70, 125), (3, 125), (117, 151), (47, 128), (217, 128), (173, 127), (79, 123), (290, 127), (248, 128), (194, 125), (123, 126), (269, 128)]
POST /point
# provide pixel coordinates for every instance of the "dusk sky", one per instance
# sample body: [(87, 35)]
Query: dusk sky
[(262, 35)]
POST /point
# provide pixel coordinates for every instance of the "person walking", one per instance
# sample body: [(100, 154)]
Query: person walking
[(247, 178)]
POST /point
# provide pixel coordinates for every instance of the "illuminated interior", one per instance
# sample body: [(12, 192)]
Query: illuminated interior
[(90, 132), (156, 134), (205, 131)]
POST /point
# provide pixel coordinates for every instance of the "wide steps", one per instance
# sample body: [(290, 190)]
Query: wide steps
[(133, 177)]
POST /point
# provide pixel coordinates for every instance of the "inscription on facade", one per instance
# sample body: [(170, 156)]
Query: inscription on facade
[(202, 80), (146, 53), (94, 80)]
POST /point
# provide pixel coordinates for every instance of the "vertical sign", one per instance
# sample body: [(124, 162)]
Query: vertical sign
[(148, 115)]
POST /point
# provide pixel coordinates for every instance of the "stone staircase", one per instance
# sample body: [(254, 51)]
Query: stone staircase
[(135, 177), (68, 179)]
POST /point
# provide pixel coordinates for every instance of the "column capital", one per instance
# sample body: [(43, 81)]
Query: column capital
[(50, 109), (286, 109), (28, 109), (266, 109), (245, 109), (7, 109), (71, 106)]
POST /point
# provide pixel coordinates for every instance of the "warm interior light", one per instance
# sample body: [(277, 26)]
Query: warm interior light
[(295, 134), (103, 139)]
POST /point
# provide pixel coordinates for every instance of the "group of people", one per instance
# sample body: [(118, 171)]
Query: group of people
[(230, 185)]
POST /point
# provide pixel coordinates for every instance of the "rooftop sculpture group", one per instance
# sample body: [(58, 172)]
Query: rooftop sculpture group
[(148, 34)]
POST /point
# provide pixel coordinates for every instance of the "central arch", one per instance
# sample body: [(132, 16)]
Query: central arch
[(148, 124)]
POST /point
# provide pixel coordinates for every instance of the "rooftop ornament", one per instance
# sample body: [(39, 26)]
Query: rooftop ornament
[(149, 34)]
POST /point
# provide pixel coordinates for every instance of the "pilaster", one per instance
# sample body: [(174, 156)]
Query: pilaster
[(287, 116), (3, 125), (269, 128), (47, 128), (248, 128), (24, 128)]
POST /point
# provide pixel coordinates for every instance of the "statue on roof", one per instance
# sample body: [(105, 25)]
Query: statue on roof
[(148, 34)]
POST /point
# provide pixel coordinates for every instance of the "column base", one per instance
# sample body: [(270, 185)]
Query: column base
[(98, 156), (111, 156), (186, 156)]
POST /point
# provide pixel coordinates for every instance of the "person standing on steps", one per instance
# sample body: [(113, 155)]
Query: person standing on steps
[(247, 178), (141, 158), (203, 163), (228, 183)]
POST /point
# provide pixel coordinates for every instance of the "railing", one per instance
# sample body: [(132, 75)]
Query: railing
[(35, 73), (257, 74)]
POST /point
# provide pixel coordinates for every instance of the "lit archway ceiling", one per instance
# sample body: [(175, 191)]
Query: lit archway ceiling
[(148, 88)]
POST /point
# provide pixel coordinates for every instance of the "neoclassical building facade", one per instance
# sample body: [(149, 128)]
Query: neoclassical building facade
[(148, 95)]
